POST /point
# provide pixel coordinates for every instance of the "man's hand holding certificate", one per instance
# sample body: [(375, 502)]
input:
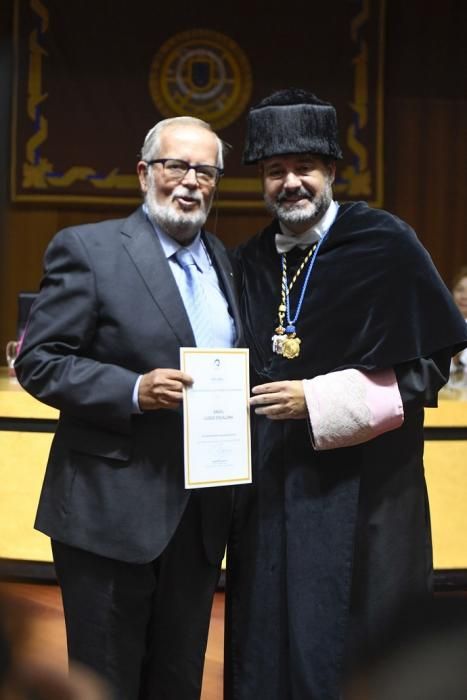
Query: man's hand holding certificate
[(216, 417)]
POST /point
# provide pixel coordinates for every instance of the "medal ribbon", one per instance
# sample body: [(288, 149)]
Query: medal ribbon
[(313, 252), (288, 345)]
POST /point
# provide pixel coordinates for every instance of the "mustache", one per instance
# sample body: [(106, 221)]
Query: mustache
[(300, 192), (181, 191)]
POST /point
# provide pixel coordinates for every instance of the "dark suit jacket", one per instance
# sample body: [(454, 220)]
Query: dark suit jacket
[(109, 310)]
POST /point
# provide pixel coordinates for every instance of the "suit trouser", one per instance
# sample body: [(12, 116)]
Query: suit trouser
[(143, 627)]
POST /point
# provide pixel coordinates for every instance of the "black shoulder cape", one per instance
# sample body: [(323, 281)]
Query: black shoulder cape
[(374, 299)]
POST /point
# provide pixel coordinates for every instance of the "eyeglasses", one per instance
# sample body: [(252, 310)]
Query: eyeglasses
[(177, 169)]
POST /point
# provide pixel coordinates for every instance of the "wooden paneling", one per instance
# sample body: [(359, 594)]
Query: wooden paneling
[(425, 125), (28, 231), (425, 155), (426, 174)]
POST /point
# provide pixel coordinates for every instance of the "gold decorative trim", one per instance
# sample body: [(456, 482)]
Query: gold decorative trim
[(356, 179)]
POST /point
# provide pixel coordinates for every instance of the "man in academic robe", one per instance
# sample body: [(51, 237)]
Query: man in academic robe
[(137, 555), (351, 331)]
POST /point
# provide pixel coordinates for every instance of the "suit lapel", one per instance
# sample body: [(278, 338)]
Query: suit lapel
[(146, 252)]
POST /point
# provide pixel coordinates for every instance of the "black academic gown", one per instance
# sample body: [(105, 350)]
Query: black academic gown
[(326, 544)]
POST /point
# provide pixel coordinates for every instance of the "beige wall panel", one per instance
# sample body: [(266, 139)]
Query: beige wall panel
[(446, 475), (23, 457)]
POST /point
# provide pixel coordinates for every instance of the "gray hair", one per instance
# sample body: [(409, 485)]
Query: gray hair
[(151, 145)]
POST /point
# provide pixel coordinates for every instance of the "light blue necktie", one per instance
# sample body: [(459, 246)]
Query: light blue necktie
[(195, 299)]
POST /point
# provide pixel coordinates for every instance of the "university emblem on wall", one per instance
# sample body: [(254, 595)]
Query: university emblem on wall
[(202, 73)]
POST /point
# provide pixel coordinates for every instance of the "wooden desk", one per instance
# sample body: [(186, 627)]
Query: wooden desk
[(26, 431), (26, 428), (446, 475)]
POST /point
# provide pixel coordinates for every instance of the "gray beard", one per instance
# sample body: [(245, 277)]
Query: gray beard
[(180, 225), (303, 215)]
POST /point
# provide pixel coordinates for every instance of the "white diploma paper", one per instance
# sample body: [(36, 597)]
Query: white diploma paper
[(216, 417)]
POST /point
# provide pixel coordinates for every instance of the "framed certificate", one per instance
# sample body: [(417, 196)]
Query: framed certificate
[(216, 417)]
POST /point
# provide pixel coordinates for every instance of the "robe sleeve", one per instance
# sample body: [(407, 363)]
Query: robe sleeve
[(420, 380), (349, 407)]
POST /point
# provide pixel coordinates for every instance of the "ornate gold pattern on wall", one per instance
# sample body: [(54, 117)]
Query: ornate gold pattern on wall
[(90, 82)]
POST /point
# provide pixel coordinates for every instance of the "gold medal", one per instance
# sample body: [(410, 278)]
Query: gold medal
[(291, 347), (284, 340)]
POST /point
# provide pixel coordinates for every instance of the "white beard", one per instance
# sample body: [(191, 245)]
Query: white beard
[(178, 224)]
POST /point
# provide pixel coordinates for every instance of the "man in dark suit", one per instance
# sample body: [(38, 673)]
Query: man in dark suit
[(137, 556)]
